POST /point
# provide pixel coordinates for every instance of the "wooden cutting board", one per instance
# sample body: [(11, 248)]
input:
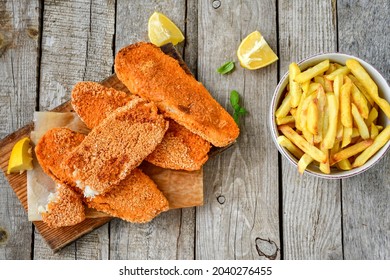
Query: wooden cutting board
[(59, 238)]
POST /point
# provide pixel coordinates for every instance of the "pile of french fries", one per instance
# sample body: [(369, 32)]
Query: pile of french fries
[(329, 116)]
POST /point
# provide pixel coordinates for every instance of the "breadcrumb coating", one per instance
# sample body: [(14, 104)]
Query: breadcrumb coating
[(157, 77), (116, 146), (93, 102), (135, 199), (180, 149), (66, 209), (51, 150)]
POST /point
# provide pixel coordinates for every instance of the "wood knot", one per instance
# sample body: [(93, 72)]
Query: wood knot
[(216, 4), (32, 32), (3, 236), (221, 199), (266, 248)]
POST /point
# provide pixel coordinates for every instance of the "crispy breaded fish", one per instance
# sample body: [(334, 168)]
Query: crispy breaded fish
[(51, 150), (116, 146), (93, 102), (135, 199), (64, 208), (148, 72), (180, 149)]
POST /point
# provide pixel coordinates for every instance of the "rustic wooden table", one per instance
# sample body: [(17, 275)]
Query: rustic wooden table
[(256, 205)]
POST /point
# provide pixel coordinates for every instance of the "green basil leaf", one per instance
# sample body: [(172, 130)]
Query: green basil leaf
[(234, 98), (236, 117), (242, 111), (226, 68)]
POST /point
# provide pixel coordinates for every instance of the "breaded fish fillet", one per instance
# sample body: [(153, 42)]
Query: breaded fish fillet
[(180, 149), (148, 72), (51, 150), (93, 102), (116, 146), (64, 208), (135, 199)]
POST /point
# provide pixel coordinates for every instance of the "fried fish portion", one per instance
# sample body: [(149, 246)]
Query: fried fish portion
[(135, 199), (64, 208), (180, 149), (93, 102), (51, 150), (116, 146), (148, 72)]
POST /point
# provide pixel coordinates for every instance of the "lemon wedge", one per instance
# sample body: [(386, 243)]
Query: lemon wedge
[(20, 159), (254, 52), (162, 30)]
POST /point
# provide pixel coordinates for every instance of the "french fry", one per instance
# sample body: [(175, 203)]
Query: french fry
[(344, 70), (303, 111), (325, 167), (331, 68), (340, 131), (374, 131), (312, 117), (330, 135), (320, 80), (305, 86), (328, 85), (302, 144), (312, 72), (344, 165), (321, 114), (345, 105), (295, 88), (372, 116), (355, 132), (347, 136), (285, 142), (303, 163), (360, 101), (372, 89), (313, 87), (284, 108), (337, 84), (361, 125), (352, 150), (333, 151), (379, 142), (362, 89), (284, 120)]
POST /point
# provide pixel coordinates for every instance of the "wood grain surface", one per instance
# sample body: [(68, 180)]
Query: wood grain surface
[(257, 206), (365, 198), (311, 206)]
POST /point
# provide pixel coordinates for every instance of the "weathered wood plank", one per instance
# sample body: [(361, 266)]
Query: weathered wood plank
[(311, 206), (366, 209), (240, 217), (76, 45), (19, 32), (170, 235)]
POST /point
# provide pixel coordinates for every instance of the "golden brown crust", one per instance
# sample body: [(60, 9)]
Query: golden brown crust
[(148, 72), (93, 102), (135, 199), (53, 147), (180, 149), (66, 209), (116, 146)]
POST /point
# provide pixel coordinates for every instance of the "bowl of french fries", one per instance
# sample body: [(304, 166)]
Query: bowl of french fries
[(330, 115)]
